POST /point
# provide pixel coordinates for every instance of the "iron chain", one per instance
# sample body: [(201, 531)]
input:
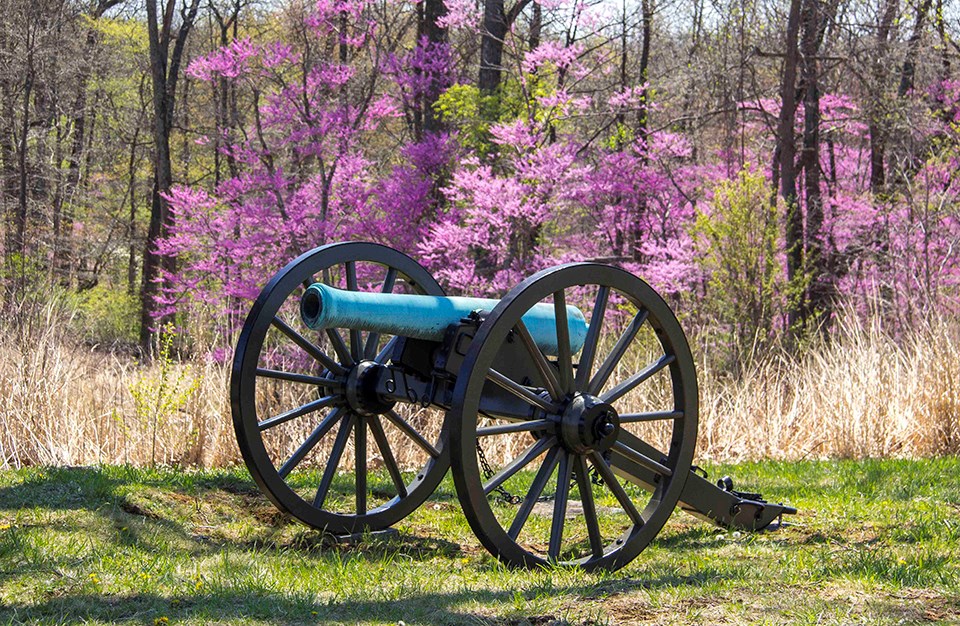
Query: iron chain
[(488, 473)]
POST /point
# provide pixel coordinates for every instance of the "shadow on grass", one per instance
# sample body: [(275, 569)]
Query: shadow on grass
[(68, 488), (513, 605), (188, 509)]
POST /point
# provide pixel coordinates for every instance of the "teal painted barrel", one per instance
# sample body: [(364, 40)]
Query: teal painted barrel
[(424, 317)]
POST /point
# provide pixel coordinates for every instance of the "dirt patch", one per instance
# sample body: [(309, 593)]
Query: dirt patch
[(636, 608), (920, 605), (137, 508), (548, 620), (574, 509)]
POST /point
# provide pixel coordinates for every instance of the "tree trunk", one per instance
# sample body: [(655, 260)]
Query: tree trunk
[(624, 54), (819, 294), (643, 121), (787, 149), (132, 217), (536, 26), (19, 243), (909, 68), (876, 124), (225, 96), (164, 72), (944, 42), (496, 24), (491, 45), (63, 210), (433, 10), (8, 184)]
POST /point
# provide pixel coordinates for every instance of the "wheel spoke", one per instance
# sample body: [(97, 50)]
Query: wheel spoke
[(532, 452), (322, 429), (360, 462), (610, 363), (516, 427), (611, 482), (370, 348), (387, 350), (539, 482), (309, 407), (560, 506), (628, 385), (519, 391), (589, 507), (642, 459), (308, 346), (585, 367), (540, 362), (411, 432), (355, 341), (297, 378), (388, 459), (564, 358), (633, 418), (339, 346), (331, 469)]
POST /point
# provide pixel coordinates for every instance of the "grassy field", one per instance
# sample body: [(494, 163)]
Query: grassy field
[(876, 542)]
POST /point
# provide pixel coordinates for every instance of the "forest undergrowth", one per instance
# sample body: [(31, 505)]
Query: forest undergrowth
[(859, 394)]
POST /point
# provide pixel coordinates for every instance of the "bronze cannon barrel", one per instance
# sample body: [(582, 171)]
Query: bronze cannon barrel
[(424, 317)]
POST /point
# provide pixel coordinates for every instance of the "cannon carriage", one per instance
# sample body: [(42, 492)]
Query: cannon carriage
[(566, 411)]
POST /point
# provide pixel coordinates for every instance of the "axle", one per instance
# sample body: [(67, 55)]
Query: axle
[(424, 317)]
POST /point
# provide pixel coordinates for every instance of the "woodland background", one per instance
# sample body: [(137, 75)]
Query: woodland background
[(785, 172)]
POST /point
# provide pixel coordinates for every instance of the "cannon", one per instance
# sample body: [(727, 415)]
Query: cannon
[(566, 411)]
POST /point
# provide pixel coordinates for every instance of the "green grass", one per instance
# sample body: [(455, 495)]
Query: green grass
[(876, 542)]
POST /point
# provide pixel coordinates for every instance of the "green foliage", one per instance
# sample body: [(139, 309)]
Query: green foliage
[(471, 112), (26, 272), (107, 315), (125, 36), (739, 239), (161, 392), (126, 40), (622, 135)]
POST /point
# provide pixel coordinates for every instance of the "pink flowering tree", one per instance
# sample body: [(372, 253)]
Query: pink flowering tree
[(305, 172), (536, 191)]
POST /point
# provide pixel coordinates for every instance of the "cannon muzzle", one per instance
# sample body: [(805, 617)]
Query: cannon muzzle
[(424, 317)]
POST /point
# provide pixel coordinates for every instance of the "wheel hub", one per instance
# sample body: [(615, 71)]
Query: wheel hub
[(361, 389), (588, 424)]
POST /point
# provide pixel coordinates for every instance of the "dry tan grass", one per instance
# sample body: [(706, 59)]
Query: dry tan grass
[(861, 395), (63, 404)]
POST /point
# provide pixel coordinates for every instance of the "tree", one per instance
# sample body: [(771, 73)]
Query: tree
[(165, 64), (497, 21), (785, 157), (431, 30)]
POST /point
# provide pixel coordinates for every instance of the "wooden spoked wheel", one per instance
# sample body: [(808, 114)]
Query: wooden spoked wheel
[(316, 452), (594, 471)]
